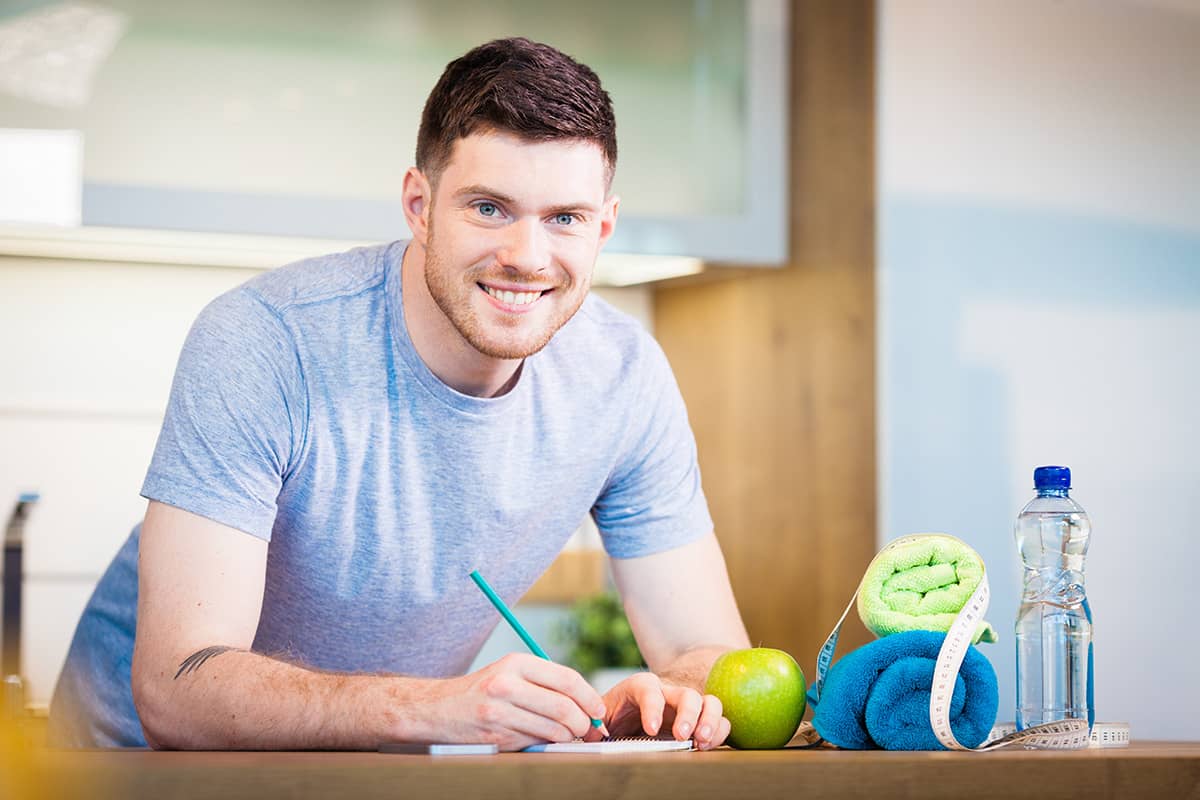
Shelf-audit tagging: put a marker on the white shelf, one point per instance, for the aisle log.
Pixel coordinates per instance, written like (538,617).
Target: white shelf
(190,248)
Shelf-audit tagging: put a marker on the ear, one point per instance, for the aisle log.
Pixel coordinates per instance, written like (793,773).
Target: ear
(608,218)
(417,199)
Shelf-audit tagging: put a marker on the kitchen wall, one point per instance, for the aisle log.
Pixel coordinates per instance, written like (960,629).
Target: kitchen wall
(201,113)
(87,352)
(1039,303)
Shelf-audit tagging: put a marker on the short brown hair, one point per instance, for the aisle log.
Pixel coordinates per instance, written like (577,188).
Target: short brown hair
(515,86)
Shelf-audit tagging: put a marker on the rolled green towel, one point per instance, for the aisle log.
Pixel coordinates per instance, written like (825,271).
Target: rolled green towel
(920,583)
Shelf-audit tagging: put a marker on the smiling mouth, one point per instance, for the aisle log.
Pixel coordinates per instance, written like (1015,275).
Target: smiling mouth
(513,298)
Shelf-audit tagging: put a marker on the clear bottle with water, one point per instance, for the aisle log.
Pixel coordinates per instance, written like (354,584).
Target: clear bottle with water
(1054,624)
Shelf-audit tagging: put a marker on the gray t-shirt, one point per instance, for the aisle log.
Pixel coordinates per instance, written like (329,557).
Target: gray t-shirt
(301,414)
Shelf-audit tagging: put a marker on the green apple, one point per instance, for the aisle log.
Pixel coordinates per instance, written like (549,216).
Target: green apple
(762,695)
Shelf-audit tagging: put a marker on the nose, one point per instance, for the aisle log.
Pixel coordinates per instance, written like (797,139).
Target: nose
(526,247)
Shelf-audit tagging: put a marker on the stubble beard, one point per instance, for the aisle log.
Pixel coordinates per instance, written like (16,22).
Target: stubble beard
(452,291)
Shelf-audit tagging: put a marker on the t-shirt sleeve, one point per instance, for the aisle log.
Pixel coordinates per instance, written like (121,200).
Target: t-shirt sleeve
(235,417)
(653,500)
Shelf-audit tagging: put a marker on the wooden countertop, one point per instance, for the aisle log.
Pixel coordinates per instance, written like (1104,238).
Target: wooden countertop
(1144,769)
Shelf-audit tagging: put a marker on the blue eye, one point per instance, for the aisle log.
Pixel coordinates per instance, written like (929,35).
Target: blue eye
(487,209)
(564,219)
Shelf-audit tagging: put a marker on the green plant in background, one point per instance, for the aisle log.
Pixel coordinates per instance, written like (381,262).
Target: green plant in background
(598,634)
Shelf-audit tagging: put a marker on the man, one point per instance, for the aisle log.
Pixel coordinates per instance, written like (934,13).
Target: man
(349,436)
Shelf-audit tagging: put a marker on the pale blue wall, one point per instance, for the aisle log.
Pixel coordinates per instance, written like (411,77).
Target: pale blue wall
(952,423)
(1039,302)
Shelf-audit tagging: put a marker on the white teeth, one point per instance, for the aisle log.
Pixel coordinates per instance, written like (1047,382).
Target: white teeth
(513,298)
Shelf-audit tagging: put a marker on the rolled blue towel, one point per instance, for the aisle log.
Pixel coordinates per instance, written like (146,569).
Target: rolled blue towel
(878,696)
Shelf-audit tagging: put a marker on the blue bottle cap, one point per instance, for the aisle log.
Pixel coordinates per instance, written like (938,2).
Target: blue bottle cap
(1052,478)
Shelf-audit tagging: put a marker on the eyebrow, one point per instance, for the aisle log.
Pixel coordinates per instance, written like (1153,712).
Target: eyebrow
(485,191)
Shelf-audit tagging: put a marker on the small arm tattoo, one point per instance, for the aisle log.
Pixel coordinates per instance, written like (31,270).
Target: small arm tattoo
(197,659)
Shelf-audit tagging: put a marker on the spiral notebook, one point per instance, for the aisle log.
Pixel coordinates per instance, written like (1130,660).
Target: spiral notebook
(626,744)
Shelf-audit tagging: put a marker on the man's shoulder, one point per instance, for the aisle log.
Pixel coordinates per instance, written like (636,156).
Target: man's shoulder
(602,327)
(324,278)
(606,348)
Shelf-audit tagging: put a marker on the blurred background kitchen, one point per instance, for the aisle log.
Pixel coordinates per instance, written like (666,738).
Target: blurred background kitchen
(898,252)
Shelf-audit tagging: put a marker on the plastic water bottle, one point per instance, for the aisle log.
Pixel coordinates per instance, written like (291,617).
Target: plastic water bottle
(1054,625)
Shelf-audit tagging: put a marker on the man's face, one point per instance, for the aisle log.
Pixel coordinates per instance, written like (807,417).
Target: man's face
(514,228)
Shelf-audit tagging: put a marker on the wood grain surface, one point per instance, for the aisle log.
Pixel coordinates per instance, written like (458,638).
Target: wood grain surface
(1144,770)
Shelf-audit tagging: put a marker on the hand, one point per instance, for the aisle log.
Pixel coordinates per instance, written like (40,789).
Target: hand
(518,701)
(645,704)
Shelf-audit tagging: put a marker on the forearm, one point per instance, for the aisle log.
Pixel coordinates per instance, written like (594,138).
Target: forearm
(690,668)
(235,699)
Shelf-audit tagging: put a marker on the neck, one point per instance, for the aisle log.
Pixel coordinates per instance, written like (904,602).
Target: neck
(439,344)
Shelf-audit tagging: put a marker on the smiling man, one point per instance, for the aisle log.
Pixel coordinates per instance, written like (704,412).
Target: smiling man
(506,245)
(349,436)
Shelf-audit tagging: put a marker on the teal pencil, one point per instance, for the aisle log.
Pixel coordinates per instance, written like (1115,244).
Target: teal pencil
(516,625)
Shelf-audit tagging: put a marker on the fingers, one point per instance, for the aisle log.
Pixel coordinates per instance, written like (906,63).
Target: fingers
(548,690)
(710,724)
(647,692)
(555,708)
(698,716)
(532,728)
(594,735)
(723,728)
(534,698)
(563,680)
(688,704)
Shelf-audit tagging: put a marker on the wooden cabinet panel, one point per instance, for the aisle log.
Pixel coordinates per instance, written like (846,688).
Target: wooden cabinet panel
(778,367)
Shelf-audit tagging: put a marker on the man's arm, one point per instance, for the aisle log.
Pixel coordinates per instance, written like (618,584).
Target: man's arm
(196,685)
(683,614)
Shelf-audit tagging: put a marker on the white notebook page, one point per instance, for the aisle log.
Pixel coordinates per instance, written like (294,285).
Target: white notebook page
(631,744)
